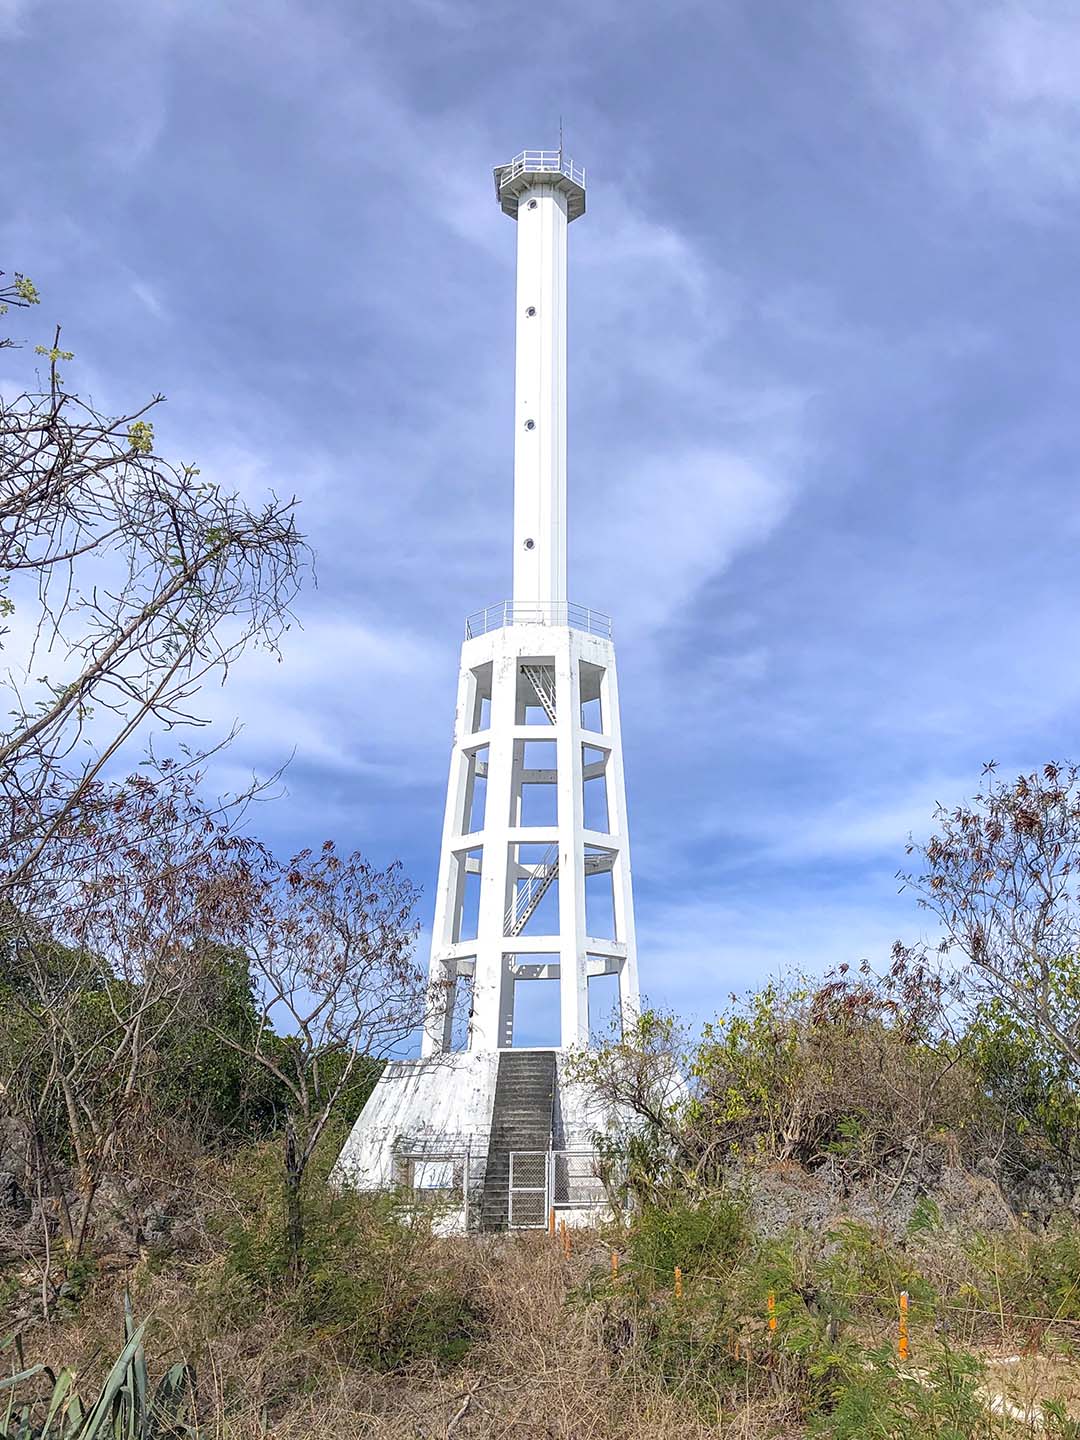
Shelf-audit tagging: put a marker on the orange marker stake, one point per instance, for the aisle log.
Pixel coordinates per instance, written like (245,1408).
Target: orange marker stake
(902,1347)
(771,1304)
(614,1265)
(551,1221)
(565,1240)
(678,1283)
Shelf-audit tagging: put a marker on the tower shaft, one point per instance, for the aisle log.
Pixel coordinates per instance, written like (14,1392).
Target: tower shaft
(540,398)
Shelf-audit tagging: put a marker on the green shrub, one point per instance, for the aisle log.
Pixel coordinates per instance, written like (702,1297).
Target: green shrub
(1028,1076)
(368,1287)
(1030,1275)
(700,1237)
(1056,1422)
(127,1407)
(863,1271)
(881,1398)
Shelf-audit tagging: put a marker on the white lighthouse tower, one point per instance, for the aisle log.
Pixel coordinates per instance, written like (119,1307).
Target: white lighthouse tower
(534,872)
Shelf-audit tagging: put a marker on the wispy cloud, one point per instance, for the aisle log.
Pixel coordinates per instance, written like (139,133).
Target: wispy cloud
(13,14)
(148,297)
(868,823)
(698,509)
(993,89)
(701,951)
(344,693)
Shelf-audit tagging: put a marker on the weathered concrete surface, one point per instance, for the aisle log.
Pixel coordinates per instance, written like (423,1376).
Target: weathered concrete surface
(440,1105)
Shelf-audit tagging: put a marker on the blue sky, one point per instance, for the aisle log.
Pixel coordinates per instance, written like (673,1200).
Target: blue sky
(824,430)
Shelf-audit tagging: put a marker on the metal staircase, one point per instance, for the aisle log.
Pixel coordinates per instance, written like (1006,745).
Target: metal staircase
(542,680)
(527,897)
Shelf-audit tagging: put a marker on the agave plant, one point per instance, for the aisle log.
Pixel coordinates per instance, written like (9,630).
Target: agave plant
(125,1408)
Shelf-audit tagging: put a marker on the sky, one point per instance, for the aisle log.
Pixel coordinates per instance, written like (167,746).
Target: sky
(823,421)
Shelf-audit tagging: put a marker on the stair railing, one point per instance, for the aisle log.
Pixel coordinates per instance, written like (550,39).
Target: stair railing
(527,896)
(542,679)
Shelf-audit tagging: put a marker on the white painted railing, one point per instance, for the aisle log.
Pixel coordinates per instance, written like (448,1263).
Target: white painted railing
(542,162)
(559,612)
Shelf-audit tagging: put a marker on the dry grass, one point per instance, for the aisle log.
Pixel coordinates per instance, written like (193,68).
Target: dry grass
(557,1353)
(546,1365)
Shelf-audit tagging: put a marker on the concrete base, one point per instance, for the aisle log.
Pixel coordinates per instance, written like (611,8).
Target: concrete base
(438,1106)
(428,1118)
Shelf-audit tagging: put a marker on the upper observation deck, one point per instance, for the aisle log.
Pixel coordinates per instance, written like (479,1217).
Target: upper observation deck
(540,167)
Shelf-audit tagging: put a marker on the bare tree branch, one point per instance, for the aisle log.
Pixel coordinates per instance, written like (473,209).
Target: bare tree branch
(134,579)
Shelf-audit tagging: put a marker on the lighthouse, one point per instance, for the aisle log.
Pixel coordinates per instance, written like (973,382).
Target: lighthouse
(534,878)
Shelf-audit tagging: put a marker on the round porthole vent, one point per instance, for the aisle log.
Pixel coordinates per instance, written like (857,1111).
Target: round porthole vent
(530,311)
(530,424)
(532,204)
(530,543)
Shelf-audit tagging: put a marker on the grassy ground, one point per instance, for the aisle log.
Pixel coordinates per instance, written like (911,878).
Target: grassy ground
(395,1333)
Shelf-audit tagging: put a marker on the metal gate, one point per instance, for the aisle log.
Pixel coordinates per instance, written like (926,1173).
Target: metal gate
(543,1180)
(529,1174)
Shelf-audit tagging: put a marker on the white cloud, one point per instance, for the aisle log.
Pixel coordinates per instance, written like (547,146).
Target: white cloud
(353,697)
(658,530)
(655,314)
(866,823)
(992,89)
(148,296)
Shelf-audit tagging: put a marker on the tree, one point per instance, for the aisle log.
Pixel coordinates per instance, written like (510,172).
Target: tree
(858,1071)
(163,934)
(1001,874)
(330,944)
(130,577)
(135,580)
(638,1082)
(1029,1078)
(102,961)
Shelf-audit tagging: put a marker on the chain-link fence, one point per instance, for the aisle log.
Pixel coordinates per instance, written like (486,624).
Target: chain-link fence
(522,1196)
(543,1180)
(577,1179)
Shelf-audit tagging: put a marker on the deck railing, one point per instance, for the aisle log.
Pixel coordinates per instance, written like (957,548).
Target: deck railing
(557,612)
(541,162)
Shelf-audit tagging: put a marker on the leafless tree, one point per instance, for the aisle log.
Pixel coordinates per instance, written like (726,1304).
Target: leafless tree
(330,945)
(1002,874)
(129,580)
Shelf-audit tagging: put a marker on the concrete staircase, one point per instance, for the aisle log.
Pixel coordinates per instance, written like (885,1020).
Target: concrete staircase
(521,1119)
